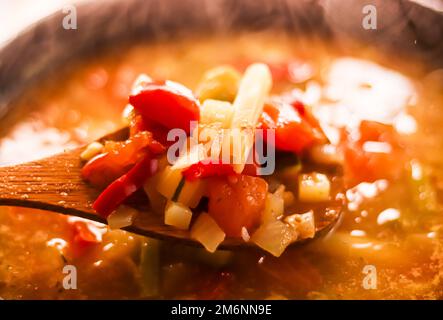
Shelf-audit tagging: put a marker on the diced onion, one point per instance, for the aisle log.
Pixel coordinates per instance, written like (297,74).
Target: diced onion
(245,234)
(216,112)
(91,151)
(122,217)
(157,201)
(313,187)
(128,114)
(304,224)
(207,232)
(274,237)
(274,206)
(177,215)
(192,192)
(192,156)
(142,80)
(168,182)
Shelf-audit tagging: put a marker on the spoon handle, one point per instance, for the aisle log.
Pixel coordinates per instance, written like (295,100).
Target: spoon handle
(52,183)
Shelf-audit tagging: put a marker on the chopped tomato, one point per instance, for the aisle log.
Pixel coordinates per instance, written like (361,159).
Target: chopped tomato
(167,103)
(375,154)
(204,170)
(295,127)
(237,203)
(125,186)
(119,157)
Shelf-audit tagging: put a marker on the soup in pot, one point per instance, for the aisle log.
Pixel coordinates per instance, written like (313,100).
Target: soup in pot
(381,119)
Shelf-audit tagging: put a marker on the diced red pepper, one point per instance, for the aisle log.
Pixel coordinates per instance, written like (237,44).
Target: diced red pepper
(166,103)
(201,170)
(118,191)
(238,203)
(82,238)
(159,132)
(83,235)
(119,157)
(295,127)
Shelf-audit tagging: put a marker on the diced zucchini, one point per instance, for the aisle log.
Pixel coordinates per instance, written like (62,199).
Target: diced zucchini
(207,232)
(216,112)
(220,83)
(313,187)
(274,237)
(177,215)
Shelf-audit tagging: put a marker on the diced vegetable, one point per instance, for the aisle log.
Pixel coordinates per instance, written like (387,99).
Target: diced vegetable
(204,170)
(91,151)
(194,155)
(122,217)
(220,83)
(168,182)
(118,158)
(157,201)
(304,224)
(274,207)
(128,114)
(177,215)
(123,187)
(313,187)
(216,112)
(237,203)
(192,192)
(140,82)
(167,103)
(207,232)
(365,164)
(274,237)
(295,131)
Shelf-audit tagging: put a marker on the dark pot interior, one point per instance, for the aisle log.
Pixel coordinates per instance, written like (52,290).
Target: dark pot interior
(402,26)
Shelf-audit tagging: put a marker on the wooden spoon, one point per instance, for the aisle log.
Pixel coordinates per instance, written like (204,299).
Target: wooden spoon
(56,184)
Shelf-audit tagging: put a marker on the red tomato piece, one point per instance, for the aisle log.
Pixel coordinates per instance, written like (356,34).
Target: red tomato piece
(366,163)
(295,127)
(237,204)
